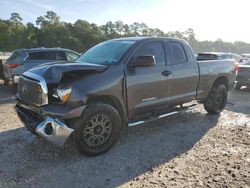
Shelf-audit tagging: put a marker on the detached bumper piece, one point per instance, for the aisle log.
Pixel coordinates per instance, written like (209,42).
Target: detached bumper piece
(53,130)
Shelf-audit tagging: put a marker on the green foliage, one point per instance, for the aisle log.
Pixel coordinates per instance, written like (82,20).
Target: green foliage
(81,35)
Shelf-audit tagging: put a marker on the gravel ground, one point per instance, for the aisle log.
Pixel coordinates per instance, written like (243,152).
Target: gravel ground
(192,149)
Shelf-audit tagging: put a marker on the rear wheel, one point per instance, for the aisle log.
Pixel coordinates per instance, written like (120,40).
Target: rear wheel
(98,129)
(216,100)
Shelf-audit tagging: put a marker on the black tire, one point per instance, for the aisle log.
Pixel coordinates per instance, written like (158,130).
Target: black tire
(91,129)
(216,100)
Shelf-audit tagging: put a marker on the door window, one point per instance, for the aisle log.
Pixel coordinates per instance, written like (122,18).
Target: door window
(60,56)
(41,56)
(177,52)
(71,56)
(151,48)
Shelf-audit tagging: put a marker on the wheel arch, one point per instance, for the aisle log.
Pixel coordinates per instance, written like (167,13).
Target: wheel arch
(221,80)
(112,101)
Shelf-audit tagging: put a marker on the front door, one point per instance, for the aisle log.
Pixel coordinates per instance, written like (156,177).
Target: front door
(148,88)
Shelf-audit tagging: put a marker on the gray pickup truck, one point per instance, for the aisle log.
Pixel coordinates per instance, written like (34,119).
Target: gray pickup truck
(121,82)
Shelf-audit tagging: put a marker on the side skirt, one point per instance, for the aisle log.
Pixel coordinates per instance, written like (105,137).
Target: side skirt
(152,118)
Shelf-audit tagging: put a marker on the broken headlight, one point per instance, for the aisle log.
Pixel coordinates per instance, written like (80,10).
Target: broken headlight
(62,94)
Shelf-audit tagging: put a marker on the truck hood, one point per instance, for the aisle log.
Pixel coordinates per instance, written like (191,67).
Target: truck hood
(54,72)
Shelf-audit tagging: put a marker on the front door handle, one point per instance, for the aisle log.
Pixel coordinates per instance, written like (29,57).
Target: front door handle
(166,73)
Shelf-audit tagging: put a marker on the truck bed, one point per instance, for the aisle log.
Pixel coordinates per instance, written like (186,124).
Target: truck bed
(212,69)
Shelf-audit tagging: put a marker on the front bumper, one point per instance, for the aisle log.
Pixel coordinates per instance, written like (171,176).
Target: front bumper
(54,130)
(58,111)
(50,128)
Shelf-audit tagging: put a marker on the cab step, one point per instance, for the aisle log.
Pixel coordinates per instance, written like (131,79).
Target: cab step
(175,111)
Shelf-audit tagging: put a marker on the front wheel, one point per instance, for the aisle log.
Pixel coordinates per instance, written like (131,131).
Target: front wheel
(98,129)
(216,100)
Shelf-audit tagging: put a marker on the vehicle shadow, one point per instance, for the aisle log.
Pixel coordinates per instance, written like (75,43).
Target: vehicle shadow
(239,101)
(27,158)
(6,94)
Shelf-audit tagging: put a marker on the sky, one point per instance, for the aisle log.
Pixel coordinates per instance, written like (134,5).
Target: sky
(211,19)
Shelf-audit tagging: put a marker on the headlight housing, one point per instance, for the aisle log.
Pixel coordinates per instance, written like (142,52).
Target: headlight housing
(62,94)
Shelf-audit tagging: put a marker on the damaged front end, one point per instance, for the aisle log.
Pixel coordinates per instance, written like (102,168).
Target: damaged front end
(49,122)
(46,110)
(53,130)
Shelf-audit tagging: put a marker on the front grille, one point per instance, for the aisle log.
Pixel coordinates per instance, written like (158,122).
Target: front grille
(31,91)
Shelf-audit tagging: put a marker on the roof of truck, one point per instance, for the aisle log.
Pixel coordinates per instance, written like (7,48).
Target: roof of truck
(145,38)
(41,49)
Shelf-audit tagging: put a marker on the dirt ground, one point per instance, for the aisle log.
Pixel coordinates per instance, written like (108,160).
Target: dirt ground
(192,149)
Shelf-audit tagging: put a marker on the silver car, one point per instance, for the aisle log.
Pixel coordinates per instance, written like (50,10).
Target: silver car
(25,59)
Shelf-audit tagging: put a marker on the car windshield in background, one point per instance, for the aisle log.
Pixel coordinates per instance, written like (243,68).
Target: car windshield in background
(106,53)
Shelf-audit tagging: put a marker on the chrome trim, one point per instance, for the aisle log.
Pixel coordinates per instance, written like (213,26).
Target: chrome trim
(41,81)
(60,134)
(159,117)
(136,123)
(168,114)
(191,108)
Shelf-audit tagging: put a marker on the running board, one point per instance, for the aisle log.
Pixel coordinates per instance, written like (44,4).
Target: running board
(186,109)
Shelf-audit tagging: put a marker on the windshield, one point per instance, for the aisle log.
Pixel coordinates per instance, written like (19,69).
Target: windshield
(105,53)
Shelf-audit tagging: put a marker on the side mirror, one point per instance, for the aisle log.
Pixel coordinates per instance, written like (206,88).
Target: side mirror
(143,61)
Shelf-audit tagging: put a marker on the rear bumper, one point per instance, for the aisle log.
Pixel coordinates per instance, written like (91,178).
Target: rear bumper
(50,128)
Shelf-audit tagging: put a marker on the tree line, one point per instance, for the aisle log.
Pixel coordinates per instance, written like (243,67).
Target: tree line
(50,31)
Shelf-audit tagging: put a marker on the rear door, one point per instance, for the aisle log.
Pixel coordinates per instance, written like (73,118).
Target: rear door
(185,72)
(148,89)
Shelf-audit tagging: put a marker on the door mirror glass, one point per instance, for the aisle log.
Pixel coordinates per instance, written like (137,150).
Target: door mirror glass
(143,61)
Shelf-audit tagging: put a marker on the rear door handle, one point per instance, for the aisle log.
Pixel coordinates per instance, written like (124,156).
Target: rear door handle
(166,73)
